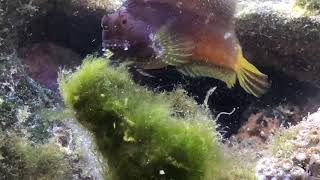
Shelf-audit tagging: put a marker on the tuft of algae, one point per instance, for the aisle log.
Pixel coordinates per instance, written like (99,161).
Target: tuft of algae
(308,7)
(143,134)
(19,159)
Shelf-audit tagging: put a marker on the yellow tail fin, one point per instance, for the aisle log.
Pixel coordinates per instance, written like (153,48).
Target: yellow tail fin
(250,78)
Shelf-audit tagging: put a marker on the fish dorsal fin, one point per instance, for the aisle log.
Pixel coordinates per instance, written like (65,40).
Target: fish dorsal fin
(223,10)
(172,48)
(196,70)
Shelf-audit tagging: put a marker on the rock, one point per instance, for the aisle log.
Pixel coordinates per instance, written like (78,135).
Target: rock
(28,109)
(276,37)
(271,38)
(308,6)
(43,61)
(259,126)
(297,146)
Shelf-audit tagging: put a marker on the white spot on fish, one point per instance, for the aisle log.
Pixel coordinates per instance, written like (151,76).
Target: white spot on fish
(179,4)
(209,18)
(227,35)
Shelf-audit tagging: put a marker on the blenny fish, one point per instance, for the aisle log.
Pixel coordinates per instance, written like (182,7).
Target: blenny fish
(196,36)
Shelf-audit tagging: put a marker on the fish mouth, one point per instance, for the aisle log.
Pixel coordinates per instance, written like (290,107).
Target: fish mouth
(116,44)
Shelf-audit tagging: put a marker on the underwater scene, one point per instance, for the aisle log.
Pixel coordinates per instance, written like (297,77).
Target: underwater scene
(159,89)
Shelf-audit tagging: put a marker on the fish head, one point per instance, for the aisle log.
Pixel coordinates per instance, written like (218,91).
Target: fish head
(122,32)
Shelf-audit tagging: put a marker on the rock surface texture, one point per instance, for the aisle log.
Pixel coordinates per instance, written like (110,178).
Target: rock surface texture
(274,35)
(294,152)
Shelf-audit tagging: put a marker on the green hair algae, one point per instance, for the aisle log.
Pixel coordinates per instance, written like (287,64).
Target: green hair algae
(310,7)
(139,132)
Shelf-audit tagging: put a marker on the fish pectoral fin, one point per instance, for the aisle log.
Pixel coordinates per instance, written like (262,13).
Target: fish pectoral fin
(194,70)
(172,48)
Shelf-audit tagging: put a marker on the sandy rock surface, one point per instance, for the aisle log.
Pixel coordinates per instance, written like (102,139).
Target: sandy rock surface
(294,152)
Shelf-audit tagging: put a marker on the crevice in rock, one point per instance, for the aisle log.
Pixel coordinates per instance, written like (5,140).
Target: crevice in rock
(285,95)
(77,28)
(59,37)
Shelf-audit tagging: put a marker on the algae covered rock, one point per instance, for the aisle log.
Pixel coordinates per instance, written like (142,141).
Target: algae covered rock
(22,160)
(294,152)
(310,6)
(32,147)
(275,36)
(136,129)
(143,134)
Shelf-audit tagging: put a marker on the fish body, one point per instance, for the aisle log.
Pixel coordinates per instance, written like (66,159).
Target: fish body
(195,36)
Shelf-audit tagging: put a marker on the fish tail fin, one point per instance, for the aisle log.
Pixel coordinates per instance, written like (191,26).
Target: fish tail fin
(250,78)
